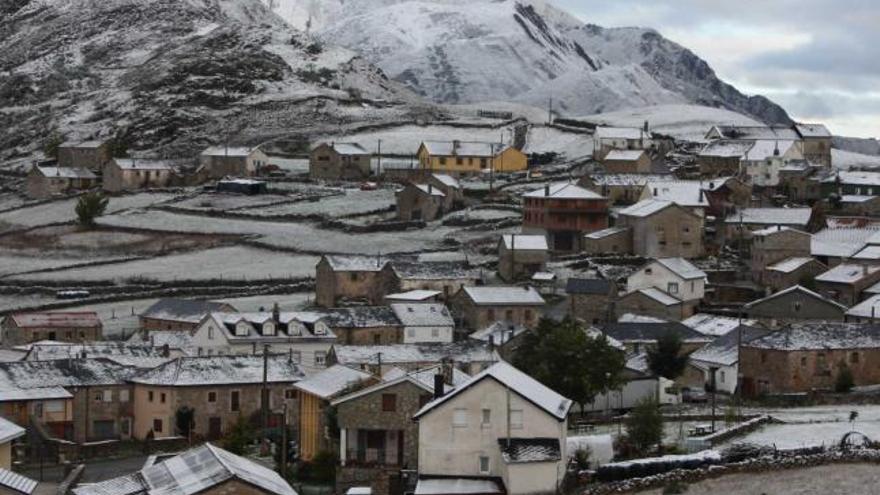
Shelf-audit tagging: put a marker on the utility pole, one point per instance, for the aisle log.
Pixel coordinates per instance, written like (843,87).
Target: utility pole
(264,395)
(283,465)
(713,370)
(491,167)
(550,112)
(379,166)
(512,256)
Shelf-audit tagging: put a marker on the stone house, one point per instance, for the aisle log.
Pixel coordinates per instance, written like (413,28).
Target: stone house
(607,139)
(90,155)
(420,202)
(775,244)
(851,183)
(715,197)
(860,206)
(315,394)
(845,282)
(522,256)
(136,354)
(591,300)
(45,182)
(477,307)
(25,328)
(676,277)
(377,437)
(620,189)
(305,337)
(470,356)
(340,161)
(127,174)
(867,311)
(174,314)
(745,222)
(503,338)
(98,405)
(446,277)
(221,390)
(816,139)
(340,278)
(365,325)
(501,425)
(723,354)
(206,470)
(751,133)
(762,162)
(794,304)
(790,272)
(801,182)
(613,240)
(807,356)
(723,157)
(653,303)
(663,228)
(563,213)
(51,406)
(627,162)
(218,162)
(9,432)
(425,323)
(450,186)
(459,158)
(638,337)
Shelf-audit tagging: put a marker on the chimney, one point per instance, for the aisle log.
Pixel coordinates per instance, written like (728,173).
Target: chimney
(439,385)
(447,366)
(701,195)
(646,127)
(276,313)
(166,350)
(456,144)
(152,340)
(655,192)
(547,190)
(491,342)
(84,354)
(430,188)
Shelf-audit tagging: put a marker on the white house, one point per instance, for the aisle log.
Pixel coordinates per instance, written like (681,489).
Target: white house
(305,336)
(619,138)
(763,161)
(675,276)
(722,354)
(501,424)
(424,322)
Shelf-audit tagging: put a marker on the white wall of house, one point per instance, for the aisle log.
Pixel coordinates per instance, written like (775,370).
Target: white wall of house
(725,377)
(427,335)
(453,437)
(657,275)
(629,395)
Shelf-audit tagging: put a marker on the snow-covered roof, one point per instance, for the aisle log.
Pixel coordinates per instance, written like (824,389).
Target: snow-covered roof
(765,149)
(182,310)
(626,179)
(290,326)
(841,242)
(194,471)
(352,149)
(236,151)
(434,270)
(681,267)
(772,216)
(812,130)
(724,148)
(523,450)
(331,382)
(724,350)
(645,208)
(525,242)
(588,286)
(221,370)
(10,394)
(466,351)
(690,193)
(643,331)
(602,234)
(124,353)
(66,172)
(499,332)
(624,155)
(621,133)
(142,164)
(857,199)
(458,486)
(414,295)
(869,308)
(423,315)
(790,265)
(522,384)
(714,325)
(422,378)
(854,178)
(776,229)
(503,296)
(92,143)
(563,190)
(464,148)
(355,263)
(847,273)
(63,373)
(360,317)
(431,190)
(18,483)
(447,180)
(756,132)
(83,319)
(796,288)
(657,295)
(820,335)
(9,431)
(174,339)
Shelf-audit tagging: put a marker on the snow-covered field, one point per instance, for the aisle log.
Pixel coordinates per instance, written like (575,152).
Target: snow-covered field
(227,202)
(351,202)
(405,140)
(231,263)
(689,122)
(573,145)
(12,262)
(63,211)
(847,159)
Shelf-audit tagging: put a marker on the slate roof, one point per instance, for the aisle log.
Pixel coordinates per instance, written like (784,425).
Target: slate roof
(182,310)
(355,263)
(645,208)
(726,148)
(433,191)
(655,294)
(447,180)
(174,339)
(465,351)
(423,315)
(790,265)
(724,349)
(17,482)
(516,381)
(796,288)
(291,326)
(465,148)
(807,336)
(624,155)
(714,325)
(331,382)
(360,317)
(525,242)
(812,130)
(869,308)
(413,295)
(756,132)
(766,149)
(66,172)
(847,273)
(137,355)
(684,192)
(63,373)
(651,331)
(626,179)
(772,216)
(682,267)
(423,378)
(434,270)
(563,190)
(602,234)
(142,164)
(499,332)
(232,151)
(221,370)
(352,149)
(841,242)
(854,177)
(504,295)
(87,319)
(522,450)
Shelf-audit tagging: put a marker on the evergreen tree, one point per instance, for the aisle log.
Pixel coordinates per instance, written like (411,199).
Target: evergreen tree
(90,206)
(666,359)
(644,425)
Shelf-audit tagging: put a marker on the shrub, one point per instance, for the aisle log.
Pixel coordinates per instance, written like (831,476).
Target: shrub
(582,458)
(644,426)
(89,207)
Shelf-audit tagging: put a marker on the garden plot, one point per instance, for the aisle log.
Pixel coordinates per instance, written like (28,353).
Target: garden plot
(299,236)
(63,211)
(351,202)
(230,202)
(227,263)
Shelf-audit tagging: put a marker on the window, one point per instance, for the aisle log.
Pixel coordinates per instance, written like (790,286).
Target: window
(410,332)
(516,418)
(162,397)
(290,393)
(98,396)
(459,417)
(55,406)
(389,402)
(763,357)
(123,395)
(796,306)
(296,356)
(377,338)
(150,396)
(672,287)
(649,271)
(435,332)
(508,315)
(722,377)
(107,396)
(803,360)
(854,358)
(235,401)
(490,314)
(486,417)
(529,315)
(210,333)
(212,397)
(353,276)
(484,464)
(157,425)
(320,358)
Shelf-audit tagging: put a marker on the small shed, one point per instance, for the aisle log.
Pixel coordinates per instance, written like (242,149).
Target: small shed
(242,186)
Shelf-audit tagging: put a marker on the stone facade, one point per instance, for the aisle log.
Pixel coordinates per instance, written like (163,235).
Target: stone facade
(420,202)
(772,246)
(102,413)
(332,162)
(564,216)
(640,304)
(849,292)
(129,175)
(218,162)
(520,263)
(795,304)
(476,316)
(45,182)
(776,280)
(92,155)
(671,232)
(627,163)
(783,371)
(333,285)
(14,335)
(616,240)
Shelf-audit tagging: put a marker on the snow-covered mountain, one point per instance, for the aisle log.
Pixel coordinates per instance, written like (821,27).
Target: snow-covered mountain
(466,51)
(175,74)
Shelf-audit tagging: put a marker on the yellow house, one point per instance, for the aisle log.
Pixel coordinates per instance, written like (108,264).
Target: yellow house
(466,157)
(9,431)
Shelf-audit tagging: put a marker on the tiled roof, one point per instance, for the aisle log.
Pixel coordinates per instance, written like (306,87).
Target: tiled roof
(503,295)
(184,310)
(522,450)
(221,370)
(819,336)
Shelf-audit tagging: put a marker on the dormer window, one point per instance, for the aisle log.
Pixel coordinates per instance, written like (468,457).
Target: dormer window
(241,329)
(294,328)
(269,328)
(320,329)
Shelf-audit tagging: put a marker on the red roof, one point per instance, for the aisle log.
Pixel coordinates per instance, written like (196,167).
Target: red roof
(61,320)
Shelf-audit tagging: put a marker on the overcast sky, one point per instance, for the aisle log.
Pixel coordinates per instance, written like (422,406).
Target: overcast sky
(820,59)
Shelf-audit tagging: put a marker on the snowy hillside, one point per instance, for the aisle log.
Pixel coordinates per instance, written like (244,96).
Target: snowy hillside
(688,122)
(465,51)
(173,74)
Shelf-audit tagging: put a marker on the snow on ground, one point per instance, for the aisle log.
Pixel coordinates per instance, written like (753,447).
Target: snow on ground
(689,122)
(573,145)
(63,211)
(405,140)
(847,159)
(286,302)
(484,214)
(230,263)
(9,302)
(12,262)
(850,479)
(351,202)
(227,202)
(291,165)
